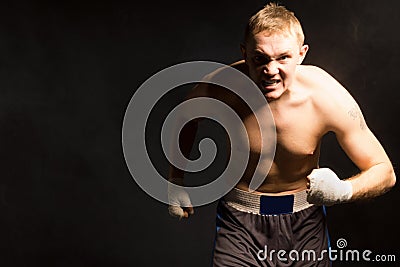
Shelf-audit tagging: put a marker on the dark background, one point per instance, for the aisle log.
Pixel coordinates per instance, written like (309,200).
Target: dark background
(67,73)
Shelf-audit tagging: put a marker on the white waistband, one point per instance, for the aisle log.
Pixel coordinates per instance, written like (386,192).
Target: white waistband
(250,202)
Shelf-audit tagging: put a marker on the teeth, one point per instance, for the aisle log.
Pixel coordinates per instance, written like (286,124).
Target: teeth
(271,82)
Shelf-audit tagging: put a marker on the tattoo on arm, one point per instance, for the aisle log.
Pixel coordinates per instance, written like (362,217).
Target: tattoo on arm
(355,114)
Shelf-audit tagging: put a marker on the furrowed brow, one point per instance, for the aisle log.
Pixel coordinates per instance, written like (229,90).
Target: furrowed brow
(284,53)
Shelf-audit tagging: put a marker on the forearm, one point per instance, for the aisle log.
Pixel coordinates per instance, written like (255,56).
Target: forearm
(179,200)
(373,182)
(186,140)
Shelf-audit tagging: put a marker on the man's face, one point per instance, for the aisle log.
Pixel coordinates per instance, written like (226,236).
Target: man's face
(272,60)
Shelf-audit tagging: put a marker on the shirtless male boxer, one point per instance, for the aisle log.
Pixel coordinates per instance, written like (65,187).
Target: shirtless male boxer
(287,211)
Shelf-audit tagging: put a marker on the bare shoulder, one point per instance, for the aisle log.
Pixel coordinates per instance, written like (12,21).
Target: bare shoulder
(209,89)
(324,87)
(241,66)
(314,76)
(238,65)
(331,99)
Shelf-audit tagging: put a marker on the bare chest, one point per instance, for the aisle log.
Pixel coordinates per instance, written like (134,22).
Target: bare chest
(298,132)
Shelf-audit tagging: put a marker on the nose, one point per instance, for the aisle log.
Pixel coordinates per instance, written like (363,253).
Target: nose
(271,68)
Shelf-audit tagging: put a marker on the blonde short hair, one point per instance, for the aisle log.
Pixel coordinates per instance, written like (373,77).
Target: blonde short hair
(275,19)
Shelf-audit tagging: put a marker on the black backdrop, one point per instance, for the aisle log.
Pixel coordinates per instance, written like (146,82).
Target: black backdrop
(67,73)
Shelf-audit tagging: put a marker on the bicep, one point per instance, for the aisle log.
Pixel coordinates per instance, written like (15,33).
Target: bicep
(362,147)
(343,116)
(356,139)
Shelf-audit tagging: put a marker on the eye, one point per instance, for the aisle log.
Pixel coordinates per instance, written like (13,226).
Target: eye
(260,59)
(284,57)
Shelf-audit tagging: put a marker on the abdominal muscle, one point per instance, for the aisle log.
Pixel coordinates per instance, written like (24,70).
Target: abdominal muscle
(276,184)
(287,175)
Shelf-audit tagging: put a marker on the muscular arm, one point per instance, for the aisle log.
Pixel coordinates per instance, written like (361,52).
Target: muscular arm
(187,136)
(179,200)
(360,144)
(207,90)
(345,119)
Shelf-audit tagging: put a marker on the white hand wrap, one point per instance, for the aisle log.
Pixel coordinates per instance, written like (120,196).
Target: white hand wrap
(327,189)
(177,198)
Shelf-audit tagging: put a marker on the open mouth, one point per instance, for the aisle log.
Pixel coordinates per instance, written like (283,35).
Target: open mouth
(270,83)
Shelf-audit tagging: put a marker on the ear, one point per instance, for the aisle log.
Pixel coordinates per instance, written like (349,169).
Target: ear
(243,50)
(302,54)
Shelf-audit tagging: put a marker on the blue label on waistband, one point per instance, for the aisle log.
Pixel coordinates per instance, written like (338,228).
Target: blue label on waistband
(274,205)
